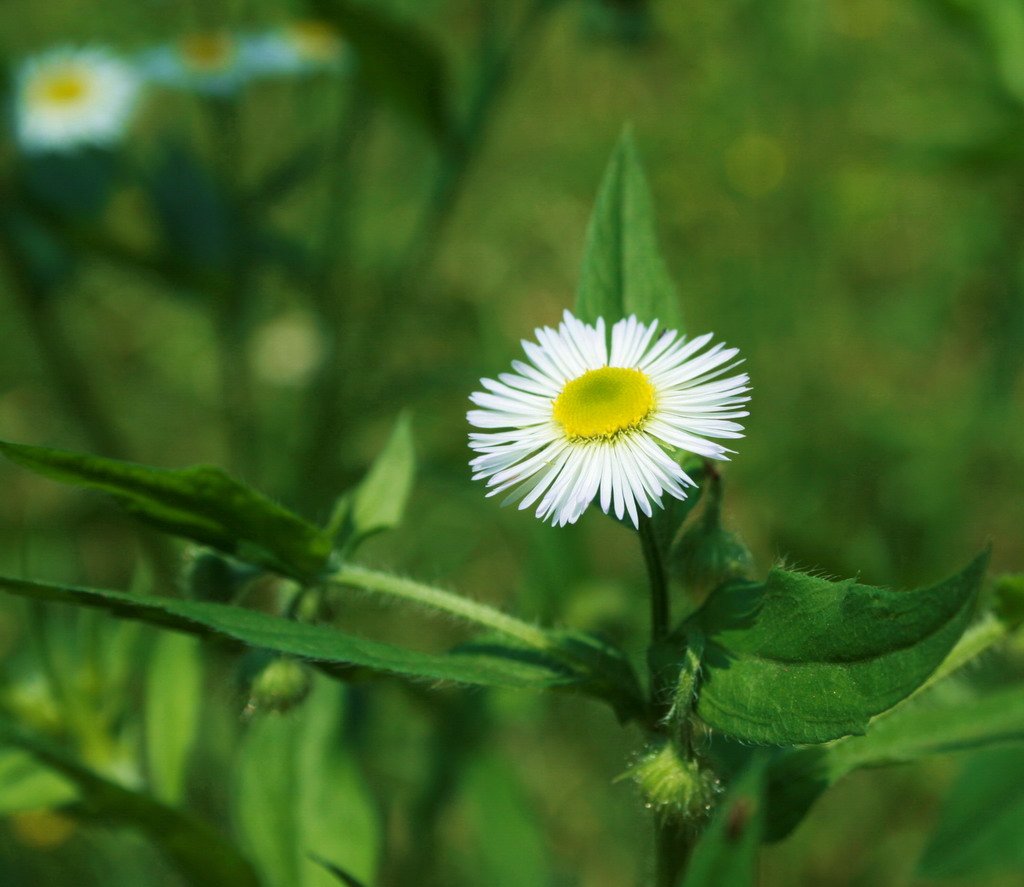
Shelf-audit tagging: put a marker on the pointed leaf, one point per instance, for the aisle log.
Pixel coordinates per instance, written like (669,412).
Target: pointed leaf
(174,689)
(800,659)
(201,503)
(340,875)
(492,664)
(378,502)
(312,803)
(623,272)
(202,856)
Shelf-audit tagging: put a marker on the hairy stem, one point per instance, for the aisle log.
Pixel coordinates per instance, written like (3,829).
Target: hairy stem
(672,837)
(456,605)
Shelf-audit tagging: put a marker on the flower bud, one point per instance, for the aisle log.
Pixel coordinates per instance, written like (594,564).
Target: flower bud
(1009,599)
(275,683)
(707,554)
(674,785)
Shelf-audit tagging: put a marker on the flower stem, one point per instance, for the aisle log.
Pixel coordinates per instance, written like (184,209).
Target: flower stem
(672,837)
(660,614)
(464,608)
(672,846)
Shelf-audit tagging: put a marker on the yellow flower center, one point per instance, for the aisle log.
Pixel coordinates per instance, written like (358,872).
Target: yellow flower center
(605,402)
(206,52)
(61,88)
(314,39)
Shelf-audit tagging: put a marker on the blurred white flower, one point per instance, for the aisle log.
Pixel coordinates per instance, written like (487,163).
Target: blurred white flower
(288,349)
(299,47)
(209,62)
(69,97)
(587,421)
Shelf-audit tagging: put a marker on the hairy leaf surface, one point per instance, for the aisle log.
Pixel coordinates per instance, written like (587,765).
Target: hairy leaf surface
(201,503)
(798,659)
(492,664)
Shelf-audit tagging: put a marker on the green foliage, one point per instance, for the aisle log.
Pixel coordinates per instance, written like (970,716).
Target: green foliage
(1008,594)
(397,62)
(274,683)
(174,690)
(34,253)
(907,734)
(799,659)
(981,826)
(379,500)
(76,184)
(491,664)
(611,674)
(509,842)
(194,213)
(199,853)
(311,803)
(666,522)
(727,851)
(201,503)
(708,554)
(26,784)
(623,272)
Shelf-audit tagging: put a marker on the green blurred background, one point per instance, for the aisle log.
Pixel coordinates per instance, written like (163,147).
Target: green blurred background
(840,193)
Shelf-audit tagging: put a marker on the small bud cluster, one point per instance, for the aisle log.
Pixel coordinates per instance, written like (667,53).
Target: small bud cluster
(674,785)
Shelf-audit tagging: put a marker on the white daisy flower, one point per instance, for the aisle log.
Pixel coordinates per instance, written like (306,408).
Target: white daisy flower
(296,48)
(68,97)
(591,422)
(207,62)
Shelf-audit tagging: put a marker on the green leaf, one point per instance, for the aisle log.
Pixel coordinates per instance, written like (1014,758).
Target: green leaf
(397,62)
(727,851)
(907,734)
(74,184)
(623,272)
(25,784)
(311,806)
(800,659)
(34,252)
(199,853)
(613,677)
(378,502)
(981,826)
(339,874)
(194,214)
(201,503)
(509,847)
(174,687)
(491,664)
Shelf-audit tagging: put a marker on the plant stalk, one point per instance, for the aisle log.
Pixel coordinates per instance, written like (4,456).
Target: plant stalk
(672,838)
(660,613)
(456,605)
